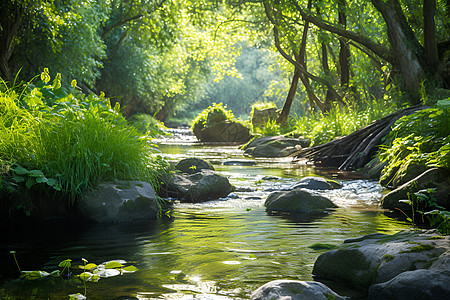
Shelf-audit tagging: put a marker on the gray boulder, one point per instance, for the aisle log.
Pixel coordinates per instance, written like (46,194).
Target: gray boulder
(414,285)
(202,186)
(316,183)
(294,290)
(433,178)
(119,202)
(297,201)
(275,146)
(379,258)
(374,168)
(193,165)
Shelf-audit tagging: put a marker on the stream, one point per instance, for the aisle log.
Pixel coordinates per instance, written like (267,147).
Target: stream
(222,249)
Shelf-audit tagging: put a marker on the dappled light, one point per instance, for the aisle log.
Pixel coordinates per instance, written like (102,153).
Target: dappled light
(252,149)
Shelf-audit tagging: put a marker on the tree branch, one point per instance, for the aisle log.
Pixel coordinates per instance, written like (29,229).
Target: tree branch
(376,48)
(121,22)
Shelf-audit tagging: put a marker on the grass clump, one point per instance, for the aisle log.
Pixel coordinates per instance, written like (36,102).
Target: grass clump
(339,121)
(72,139)
(148,125)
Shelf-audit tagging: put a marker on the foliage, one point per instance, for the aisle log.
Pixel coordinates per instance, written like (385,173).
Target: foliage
(425,204)
(339,121)
(214,112)
(254,83)
(421,137)
(148,125)
(68,141)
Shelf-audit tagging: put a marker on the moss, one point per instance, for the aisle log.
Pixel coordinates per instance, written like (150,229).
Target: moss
(436,237)
(388,257)
(320,246)
(419,248)
(399,236)
(330,297)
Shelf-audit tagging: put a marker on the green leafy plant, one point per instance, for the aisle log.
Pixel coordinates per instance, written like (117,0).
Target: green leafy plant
(421,137)
(425,204)
(90,272)
(62,139)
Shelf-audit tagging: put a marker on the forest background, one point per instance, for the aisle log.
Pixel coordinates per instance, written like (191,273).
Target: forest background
(171,58)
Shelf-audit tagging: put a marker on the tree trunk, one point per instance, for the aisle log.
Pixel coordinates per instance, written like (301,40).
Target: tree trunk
(282,119)
(408,52)
(326,70)
(344,52)
(431,54)
(10,21)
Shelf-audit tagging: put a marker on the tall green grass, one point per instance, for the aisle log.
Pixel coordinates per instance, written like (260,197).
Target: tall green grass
(324,127)
(76,140)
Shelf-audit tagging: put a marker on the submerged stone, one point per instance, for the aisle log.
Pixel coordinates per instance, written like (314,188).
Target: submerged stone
(316,183)
(294,290)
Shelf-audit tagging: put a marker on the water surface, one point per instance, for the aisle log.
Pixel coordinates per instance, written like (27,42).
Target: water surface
(221,249)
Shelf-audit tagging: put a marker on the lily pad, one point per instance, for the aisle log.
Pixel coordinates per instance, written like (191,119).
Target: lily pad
(88,276)
(33,275)
(89,266)
(129,269)
(114,264)
(108,273)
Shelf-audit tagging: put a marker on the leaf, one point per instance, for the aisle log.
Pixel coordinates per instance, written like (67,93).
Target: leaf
(30,182)
(114,264)
(51,182)
(129,269)
(18,178)
(33,275)
(65,263)
(20,170)
(41,180)
(36,173)
(444,103)
(108,273)
(85,276)
(88,266)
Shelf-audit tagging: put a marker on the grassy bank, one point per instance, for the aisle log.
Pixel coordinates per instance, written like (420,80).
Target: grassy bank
(59,140)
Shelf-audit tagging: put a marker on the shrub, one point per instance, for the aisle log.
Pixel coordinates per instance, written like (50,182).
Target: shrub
(421,137)
(219,111)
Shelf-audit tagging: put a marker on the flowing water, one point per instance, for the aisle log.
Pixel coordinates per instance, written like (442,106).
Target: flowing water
(221,249)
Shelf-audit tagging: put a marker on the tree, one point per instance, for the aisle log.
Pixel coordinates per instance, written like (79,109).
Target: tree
(404,52)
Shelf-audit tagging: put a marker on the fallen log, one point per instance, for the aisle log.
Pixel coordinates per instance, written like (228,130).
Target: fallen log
(356,149)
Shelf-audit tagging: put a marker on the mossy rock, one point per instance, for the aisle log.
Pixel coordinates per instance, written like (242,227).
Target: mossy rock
(193,165)
(378,258)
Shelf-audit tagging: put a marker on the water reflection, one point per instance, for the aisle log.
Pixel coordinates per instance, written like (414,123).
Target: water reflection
(215,250)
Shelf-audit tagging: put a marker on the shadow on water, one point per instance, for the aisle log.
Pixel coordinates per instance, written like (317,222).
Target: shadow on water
(220,249)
